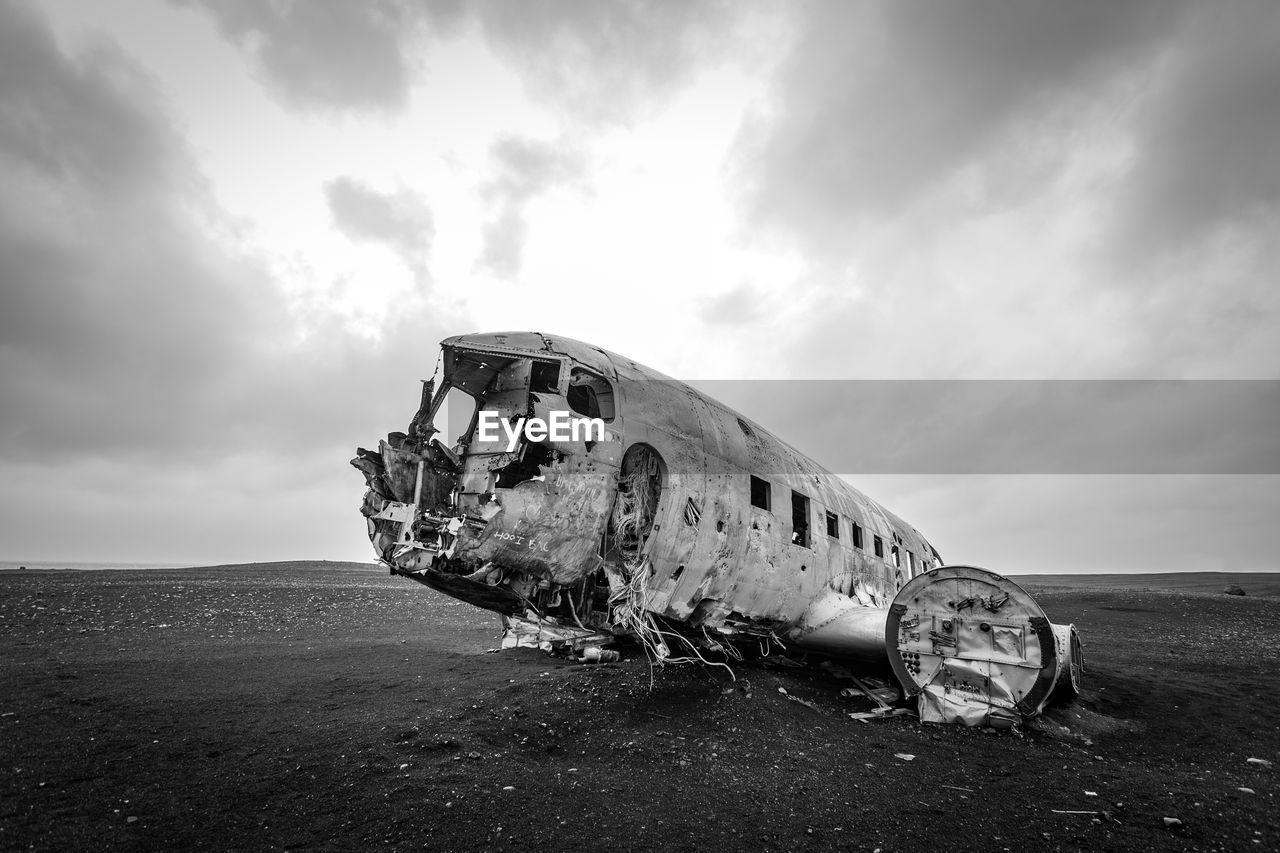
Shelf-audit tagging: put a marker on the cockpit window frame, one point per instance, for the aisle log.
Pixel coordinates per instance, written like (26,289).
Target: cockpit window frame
(606,402)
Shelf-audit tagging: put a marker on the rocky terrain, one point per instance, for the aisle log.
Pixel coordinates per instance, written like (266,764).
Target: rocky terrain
(327,705)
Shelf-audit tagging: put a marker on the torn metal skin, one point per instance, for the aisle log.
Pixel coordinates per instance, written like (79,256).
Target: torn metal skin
(688,527)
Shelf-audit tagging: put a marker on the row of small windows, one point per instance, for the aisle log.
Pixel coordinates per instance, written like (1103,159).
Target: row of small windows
(762,497)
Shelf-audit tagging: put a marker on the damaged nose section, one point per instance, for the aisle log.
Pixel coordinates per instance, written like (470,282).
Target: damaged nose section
(512,523)
(412,513)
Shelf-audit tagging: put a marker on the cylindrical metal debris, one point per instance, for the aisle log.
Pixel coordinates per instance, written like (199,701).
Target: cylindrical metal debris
(976,648)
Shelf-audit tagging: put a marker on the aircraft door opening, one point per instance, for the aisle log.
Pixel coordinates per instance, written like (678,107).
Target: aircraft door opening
(639,488)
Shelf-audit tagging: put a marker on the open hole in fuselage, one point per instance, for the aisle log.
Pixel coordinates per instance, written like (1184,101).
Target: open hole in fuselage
(639,488)
(534,456)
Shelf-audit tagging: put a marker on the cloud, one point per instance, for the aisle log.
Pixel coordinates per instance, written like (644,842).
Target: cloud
(526,169)
(148,362)
(882,107)
(1019,427)
(328,53)
(401,220)
(737,307)
(599,61)
(1208,136)
(604,62)
(879,102)
(88,120)
(115,309)
(1032,189)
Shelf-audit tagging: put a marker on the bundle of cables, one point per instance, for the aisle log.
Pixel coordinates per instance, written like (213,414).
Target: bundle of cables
(629,614)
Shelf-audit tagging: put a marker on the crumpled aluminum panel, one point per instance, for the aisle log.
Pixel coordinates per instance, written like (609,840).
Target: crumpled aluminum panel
(973,645)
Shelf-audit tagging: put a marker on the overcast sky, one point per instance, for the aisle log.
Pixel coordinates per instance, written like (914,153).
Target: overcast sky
(232,234)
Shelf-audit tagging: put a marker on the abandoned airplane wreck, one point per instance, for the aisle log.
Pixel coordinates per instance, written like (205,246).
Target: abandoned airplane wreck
(671,521)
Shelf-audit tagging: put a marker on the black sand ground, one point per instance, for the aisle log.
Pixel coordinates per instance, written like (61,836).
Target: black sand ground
(326,705)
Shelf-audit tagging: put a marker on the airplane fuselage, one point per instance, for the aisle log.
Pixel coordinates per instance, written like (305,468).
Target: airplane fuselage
(740,530)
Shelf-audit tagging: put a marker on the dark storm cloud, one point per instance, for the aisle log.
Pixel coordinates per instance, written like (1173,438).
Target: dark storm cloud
(1209,142)
(327,53)
(1132,146)
(400,220)
(80,121)
(526,168)
(110,306)
(880,101)
(126,331)
(153,382)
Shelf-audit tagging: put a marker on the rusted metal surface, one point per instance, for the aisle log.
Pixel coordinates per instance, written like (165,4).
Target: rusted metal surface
(683,523)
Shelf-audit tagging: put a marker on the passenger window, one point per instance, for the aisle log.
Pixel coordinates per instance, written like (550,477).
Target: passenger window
(857,534)
(799,520)
(833,525)
(879,543)
(760,493)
